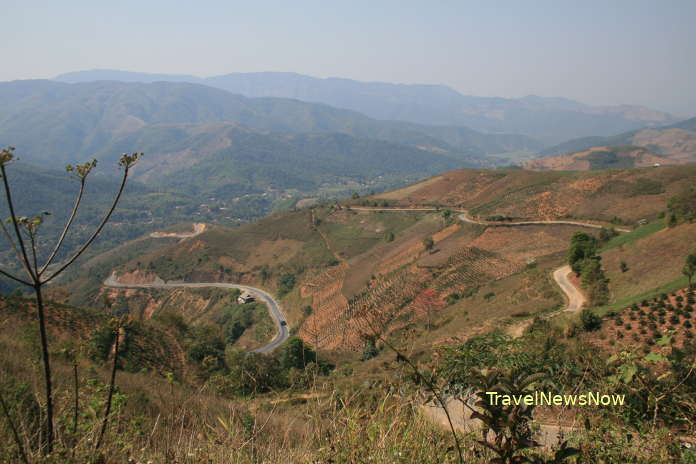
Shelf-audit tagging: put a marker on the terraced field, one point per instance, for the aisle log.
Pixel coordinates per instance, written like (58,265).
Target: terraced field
(471,267)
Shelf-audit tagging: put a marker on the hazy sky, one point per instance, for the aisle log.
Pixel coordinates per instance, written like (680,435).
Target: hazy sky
(600,52)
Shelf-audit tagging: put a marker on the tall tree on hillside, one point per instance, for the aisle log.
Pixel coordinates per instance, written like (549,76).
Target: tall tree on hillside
(689,269)
(24,242)
(582,246)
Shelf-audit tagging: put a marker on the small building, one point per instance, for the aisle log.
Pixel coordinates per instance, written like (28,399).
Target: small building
(245,297)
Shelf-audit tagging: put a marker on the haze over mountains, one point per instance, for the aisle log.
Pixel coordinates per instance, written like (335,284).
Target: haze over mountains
(56,120)
(551,120)
(288,135)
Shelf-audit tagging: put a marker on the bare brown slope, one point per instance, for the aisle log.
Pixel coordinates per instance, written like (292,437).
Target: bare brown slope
(637,157)
(673,145)
(630,195)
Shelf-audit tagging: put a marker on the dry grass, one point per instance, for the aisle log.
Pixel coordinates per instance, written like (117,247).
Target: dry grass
(652,261)
(529,194)
(160,421)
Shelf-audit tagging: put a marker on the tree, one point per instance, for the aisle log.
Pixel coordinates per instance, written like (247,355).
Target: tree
(296,354)
(25,245)
(607,234)
(447,216)
(683,206)
(590,321)
(428,243)
(582,247)
(595,281)
(286,283)
(689,268)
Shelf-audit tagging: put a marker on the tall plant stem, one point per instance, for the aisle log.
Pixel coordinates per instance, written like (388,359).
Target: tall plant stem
(47,368)
(77,398)
(112,383)
(15,434)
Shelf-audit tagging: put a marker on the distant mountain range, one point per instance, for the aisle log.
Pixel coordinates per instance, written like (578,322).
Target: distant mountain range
(56,122)
(550,119)
(250,154)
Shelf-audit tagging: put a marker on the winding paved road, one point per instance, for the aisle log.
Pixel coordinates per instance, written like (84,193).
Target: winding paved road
(575,297)
(273,306)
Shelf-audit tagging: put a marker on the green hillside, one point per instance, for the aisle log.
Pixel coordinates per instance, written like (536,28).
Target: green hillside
(551,119)
(78,120)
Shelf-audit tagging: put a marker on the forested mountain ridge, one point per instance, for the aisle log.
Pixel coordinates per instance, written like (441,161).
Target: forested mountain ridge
(551,119)
(54,122)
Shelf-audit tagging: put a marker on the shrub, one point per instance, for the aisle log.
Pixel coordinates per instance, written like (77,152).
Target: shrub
(590,321)
(452,298)
(286,283)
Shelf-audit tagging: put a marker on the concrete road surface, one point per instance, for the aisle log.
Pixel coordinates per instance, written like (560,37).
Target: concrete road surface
(273,307)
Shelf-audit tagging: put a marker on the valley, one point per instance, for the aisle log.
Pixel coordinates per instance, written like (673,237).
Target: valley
(298,269)
(461,269)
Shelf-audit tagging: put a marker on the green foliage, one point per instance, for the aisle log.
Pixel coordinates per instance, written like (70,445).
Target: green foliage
(295,353)
(634,235)
(590,320)
(683,206)
(250,374)
(286,283)
(100,343)
(607,234)
(585,263)
(480,352)
(207,348)
(428,243)
(582,247)
(594,281)
(237,318)
(369,350)
(658,387)
(689,268)
(510,424)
